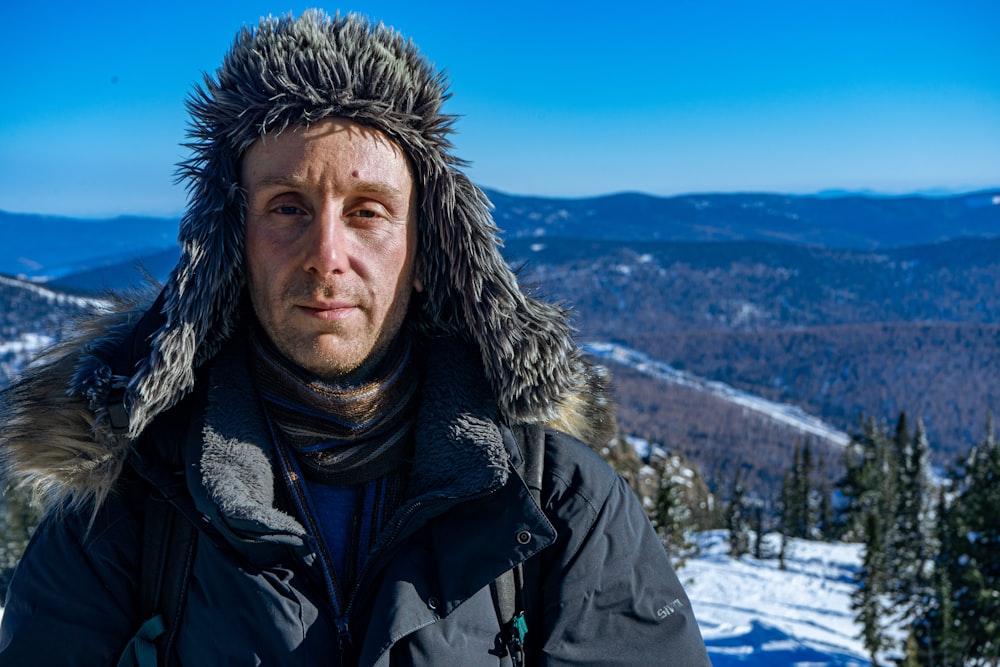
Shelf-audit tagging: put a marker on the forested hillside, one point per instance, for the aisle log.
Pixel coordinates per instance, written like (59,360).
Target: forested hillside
(843,333)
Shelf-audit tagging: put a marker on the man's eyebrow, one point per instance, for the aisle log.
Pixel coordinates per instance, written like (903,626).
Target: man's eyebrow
(279,181)
(292,181)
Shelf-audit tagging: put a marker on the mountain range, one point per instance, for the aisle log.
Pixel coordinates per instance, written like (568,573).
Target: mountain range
(837,222)
(43,247)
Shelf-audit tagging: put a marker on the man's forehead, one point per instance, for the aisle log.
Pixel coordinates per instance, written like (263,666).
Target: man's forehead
(276,152)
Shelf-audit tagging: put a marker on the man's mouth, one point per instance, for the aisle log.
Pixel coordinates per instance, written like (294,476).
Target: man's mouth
(328,310)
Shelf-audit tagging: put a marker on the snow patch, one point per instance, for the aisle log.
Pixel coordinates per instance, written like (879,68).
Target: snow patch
(27,344)
(640,445)
(752,613)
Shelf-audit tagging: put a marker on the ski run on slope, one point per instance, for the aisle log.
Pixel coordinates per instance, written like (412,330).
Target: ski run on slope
(782,413)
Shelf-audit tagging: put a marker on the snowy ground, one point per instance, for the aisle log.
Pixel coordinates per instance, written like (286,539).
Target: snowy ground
(752,613)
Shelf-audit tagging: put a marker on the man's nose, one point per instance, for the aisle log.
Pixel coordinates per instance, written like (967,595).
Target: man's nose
(328,253)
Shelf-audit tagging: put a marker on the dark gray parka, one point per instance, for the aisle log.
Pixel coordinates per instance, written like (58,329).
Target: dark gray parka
(255,595)
(143,384)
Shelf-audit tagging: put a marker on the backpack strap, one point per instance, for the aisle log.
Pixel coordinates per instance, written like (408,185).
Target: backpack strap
(166,556)
(126,357)
(169,540)
(168,546)
(512,594)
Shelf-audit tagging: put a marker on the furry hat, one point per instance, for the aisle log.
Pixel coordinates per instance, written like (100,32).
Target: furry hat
(288,72)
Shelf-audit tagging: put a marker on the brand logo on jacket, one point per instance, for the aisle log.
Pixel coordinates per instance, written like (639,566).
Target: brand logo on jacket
(669,609)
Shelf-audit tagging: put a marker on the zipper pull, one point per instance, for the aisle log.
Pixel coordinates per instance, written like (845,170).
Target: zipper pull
(344,641)
(518,632)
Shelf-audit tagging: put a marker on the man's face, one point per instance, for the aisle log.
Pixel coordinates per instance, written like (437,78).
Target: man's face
(330,244)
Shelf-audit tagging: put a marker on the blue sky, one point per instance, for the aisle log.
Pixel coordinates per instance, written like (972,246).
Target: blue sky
(557,98)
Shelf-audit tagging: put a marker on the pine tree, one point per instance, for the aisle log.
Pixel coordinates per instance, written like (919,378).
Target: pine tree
(782,550)
(825,528)
(784,519)
(944,642)
(975,540)
(799,499)
(804,495)
(868,599)
(886,478)
(937,637)
(737,518)
(795,507)
(913,539)
(877,464)
(673,520)
(869,482)
(759,552)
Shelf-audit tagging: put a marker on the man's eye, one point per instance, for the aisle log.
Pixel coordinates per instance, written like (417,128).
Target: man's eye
(287,210)
(365,213)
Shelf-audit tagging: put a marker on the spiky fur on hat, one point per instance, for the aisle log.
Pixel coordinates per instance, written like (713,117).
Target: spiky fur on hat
(289,72)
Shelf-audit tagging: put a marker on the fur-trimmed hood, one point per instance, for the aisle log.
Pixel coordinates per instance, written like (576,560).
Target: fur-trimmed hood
(68,424)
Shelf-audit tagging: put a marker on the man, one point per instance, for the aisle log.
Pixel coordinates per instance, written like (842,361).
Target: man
(337,386)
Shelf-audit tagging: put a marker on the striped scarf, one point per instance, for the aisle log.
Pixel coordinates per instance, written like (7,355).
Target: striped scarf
(341,436)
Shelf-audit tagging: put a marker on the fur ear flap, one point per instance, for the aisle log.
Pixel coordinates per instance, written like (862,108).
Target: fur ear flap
(202,294)
(527,346)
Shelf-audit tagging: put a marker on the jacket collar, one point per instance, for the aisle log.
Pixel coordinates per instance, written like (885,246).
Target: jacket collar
(460,451)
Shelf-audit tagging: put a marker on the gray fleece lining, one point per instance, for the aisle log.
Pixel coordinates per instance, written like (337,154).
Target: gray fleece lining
(236,459)
(459,450)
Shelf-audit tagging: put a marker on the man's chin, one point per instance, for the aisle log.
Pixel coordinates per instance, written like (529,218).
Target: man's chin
(329,362)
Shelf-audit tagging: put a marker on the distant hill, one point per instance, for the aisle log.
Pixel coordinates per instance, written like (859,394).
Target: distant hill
(837,222)
(31,318)
(43,247)
(117,274)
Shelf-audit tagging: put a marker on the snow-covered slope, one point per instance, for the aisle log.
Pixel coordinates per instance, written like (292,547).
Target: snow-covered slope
(752,613)
(53,296)
(781,413)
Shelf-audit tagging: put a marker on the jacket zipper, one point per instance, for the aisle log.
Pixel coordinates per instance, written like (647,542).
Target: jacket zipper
(342,616)
(314,537)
